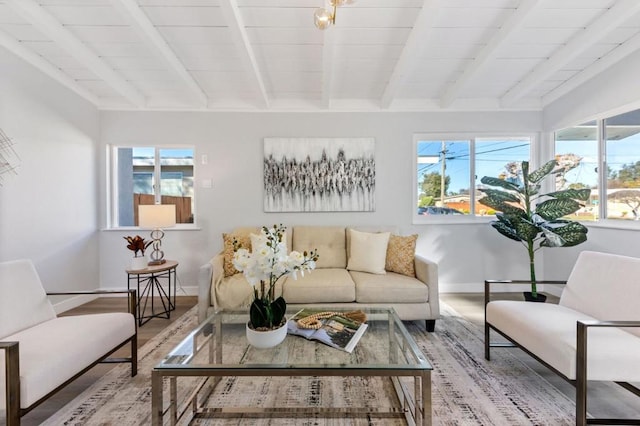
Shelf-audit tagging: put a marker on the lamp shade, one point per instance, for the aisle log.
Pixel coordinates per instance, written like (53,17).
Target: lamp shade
(157,216)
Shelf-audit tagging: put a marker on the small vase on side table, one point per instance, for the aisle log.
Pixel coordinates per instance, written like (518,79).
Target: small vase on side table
(138,263)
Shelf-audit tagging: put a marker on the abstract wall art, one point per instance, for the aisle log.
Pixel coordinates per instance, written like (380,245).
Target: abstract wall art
(319,174)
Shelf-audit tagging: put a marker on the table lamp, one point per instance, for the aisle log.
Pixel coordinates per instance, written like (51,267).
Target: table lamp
(157,217)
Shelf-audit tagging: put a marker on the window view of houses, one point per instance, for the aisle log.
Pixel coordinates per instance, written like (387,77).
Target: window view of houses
(602,155)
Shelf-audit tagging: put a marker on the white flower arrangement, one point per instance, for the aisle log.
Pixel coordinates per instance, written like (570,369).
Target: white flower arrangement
(263,266)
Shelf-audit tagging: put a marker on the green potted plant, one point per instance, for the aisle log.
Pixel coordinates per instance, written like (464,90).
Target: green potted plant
(534,219)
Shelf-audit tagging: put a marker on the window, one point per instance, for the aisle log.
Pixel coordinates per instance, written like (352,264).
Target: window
(603,155)
(150,175)
(447,169)
(577,153)
(622,147)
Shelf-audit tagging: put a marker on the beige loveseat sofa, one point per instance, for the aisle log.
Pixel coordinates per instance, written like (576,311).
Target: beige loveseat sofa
(338,280)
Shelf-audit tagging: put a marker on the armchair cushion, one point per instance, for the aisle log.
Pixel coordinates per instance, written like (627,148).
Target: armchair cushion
(52,352)
(596,284)
(549,331)
(19,281)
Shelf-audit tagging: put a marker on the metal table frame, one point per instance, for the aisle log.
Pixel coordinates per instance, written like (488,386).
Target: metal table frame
(414,408)
(148,283)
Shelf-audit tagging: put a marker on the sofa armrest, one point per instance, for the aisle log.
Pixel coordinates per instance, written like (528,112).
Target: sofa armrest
(427,272)
(133,296)
(12,381)
(209,274)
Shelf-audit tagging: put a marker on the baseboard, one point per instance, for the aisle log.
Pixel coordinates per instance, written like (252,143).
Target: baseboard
(73,302)
(554,290)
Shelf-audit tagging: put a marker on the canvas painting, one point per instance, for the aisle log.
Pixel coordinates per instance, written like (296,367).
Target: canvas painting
(319,174)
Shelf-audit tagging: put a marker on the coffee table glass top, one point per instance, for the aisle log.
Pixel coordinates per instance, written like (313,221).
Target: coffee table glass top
(220,343)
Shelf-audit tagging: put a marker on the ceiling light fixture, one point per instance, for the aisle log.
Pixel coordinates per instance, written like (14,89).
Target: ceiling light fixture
(323,18)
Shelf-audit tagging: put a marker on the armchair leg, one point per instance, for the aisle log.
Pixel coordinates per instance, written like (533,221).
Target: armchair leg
(134,355)
(487,341)
(581,375)
(12,382)
(431,325)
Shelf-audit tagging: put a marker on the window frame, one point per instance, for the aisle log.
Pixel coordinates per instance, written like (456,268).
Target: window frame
(472,137)
(113,190)
(603,221)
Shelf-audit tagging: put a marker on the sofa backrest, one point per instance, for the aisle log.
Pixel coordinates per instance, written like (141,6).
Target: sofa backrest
(605,286)
(23,301)
(330,241)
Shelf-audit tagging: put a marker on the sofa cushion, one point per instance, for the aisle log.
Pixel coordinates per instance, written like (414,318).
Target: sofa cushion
(320,286)
(549,331)
(328,240)
(604,286)
(55,350)
(400,254)
(242,235)
(23,301)
(389,288)
(368,251)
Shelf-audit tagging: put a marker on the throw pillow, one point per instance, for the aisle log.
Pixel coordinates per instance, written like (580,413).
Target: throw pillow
(245,242)
(400,254)
(368,251)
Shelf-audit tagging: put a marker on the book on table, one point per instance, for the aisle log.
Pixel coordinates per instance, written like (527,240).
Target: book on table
(336,331)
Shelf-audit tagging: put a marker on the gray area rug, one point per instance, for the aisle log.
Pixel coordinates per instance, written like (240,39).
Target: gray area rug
(466,389)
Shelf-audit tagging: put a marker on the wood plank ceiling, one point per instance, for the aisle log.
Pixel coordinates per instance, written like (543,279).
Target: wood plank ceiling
(396,55)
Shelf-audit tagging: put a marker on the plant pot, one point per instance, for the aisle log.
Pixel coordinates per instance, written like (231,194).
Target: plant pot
(268,338)
(529,297)
(138,263)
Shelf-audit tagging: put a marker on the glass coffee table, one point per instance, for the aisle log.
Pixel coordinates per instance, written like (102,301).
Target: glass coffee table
(217,350)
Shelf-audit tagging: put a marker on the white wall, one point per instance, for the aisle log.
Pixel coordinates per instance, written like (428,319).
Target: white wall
(48,211)
(467,254)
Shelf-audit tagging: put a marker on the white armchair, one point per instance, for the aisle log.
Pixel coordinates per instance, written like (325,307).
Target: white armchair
(43,352)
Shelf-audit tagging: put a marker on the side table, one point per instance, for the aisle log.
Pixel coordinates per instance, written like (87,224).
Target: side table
(148,282)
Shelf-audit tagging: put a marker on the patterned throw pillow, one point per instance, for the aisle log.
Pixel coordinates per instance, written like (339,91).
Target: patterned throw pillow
(400,254)
(245,242)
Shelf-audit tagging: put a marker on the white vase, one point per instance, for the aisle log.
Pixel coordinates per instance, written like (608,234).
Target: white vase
(138,263)
(266,339)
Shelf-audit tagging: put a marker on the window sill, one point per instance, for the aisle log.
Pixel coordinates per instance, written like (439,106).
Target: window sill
(185,227)
(452,220)
(625,225)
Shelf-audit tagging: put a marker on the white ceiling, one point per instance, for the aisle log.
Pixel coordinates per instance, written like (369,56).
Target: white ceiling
(396,55)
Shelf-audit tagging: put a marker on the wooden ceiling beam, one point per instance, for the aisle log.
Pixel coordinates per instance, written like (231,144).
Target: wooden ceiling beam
(488,52)
(606,62)
(241,39)
(14,46)
(609,21)
(409,54)
(48,25)
(141,24)
(328,49)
